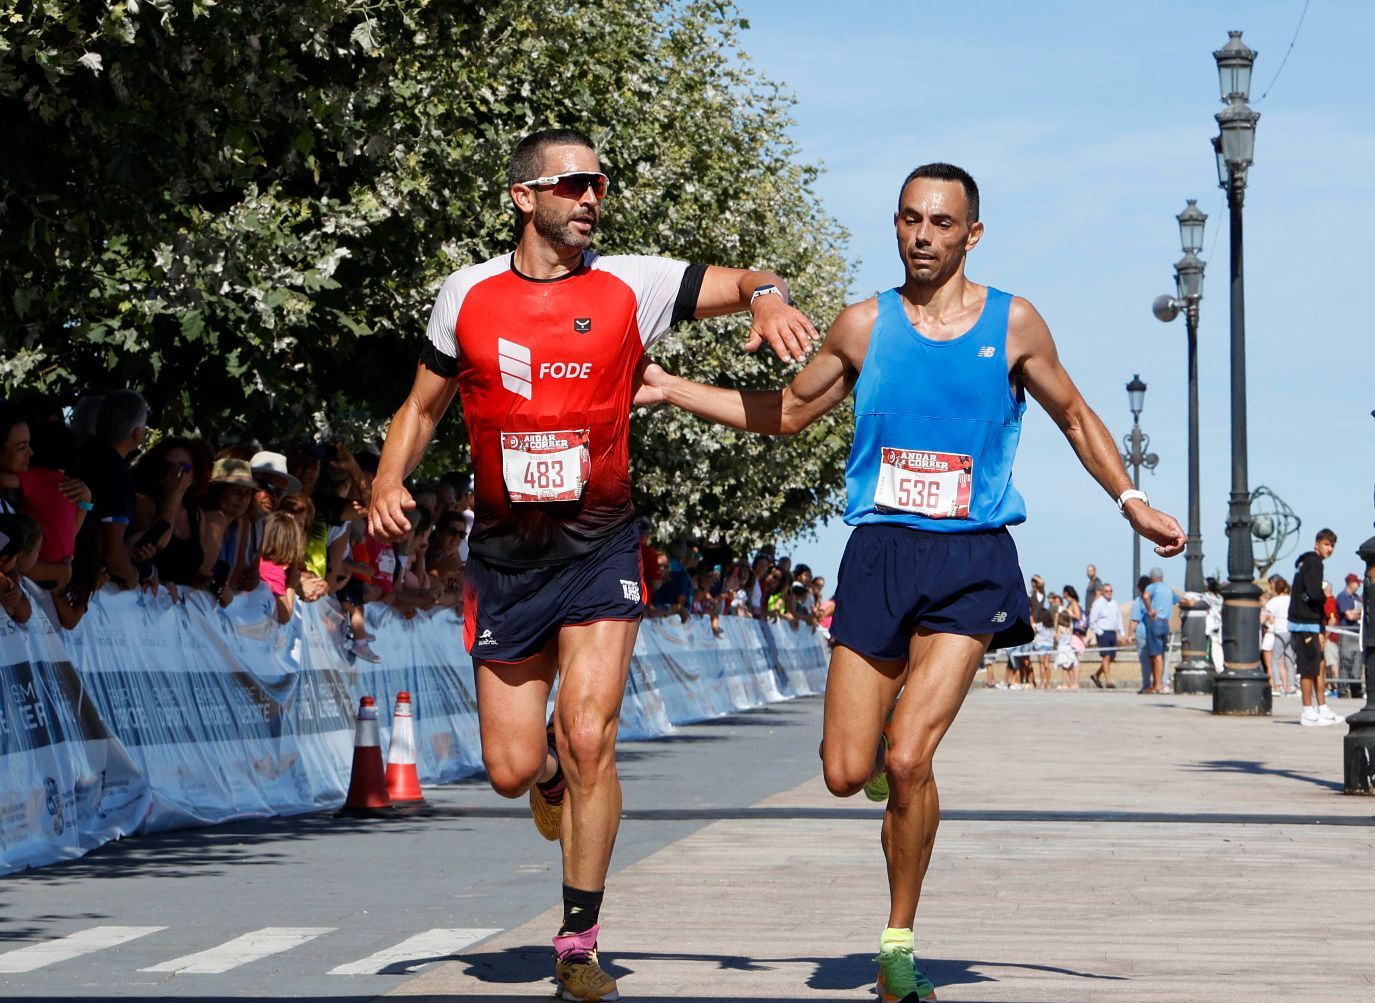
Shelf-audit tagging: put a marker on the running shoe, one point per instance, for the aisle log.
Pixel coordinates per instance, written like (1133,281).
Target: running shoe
(546,800)
(578,972)
(1325,716)
(877,787)
(899,979)
(1309,718)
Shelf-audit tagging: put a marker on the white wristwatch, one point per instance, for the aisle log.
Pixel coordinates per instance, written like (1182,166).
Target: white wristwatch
(767,290)
(1127,496)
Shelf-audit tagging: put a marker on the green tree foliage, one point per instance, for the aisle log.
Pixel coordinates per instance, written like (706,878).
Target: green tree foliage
(243,209)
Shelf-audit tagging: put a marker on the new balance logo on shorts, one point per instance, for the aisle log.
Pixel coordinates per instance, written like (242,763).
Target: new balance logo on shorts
(986,352)
(486,637)
(631,590)
(1000,617)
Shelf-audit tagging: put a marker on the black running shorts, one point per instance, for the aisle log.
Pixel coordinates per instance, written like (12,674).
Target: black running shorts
(510,613)
(894,579)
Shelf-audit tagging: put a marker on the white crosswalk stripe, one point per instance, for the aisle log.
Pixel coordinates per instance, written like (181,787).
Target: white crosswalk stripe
(242,950)
(411,953)
(97,938)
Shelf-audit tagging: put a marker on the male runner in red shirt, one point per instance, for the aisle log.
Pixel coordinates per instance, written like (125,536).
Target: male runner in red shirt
(542,346)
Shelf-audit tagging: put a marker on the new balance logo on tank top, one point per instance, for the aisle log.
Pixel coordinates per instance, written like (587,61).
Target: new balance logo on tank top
(936,426)
(545,371)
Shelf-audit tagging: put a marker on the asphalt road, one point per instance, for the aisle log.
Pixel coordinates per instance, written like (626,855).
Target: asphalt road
(314,908)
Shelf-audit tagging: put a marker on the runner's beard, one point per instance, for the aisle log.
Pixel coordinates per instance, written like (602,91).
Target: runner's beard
(558,229)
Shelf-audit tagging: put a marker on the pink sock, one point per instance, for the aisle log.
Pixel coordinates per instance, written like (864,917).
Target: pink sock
(577,943)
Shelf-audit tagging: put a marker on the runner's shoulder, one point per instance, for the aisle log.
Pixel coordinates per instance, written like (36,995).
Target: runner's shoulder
(1027,332)
(848,335)
(635,268)
(1025,319)
(461,280)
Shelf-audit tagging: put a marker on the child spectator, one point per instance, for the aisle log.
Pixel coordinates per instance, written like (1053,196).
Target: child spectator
(302,509)
(88,575)
(280,559)
(20,538)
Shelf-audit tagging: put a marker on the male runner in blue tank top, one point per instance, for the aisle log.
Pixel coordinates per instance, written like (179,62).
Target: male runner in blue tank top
(939,368)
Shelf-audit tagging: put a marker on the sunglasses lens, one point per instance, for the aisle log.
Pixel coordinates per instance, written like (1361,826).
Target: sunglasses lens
(572,186)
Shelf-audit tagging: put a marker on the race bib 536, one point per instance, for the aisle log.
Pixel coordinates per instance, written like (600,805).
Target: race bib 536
(936,485)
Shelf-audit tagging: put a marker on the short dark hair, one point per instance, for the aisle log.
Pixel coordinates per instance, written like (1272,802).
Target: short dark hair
(1326,534)
(946,172)
(527,161)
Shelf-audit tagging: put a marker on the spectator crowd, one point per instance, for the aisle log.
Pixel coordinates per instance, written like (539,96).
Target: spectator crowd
(1069,624)
(90,497)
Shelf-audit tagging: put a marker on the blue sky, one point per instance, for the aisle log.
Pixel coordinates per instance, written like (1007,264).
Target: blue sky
(1086,134)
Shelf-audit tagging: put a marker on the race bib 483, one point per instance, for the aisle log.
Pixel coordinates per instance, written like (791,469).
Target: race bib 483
(545,466)
(936,485)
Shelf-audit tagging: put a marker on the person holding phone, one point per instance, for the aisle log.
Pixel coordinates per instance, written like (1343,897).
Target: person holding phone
(169,481)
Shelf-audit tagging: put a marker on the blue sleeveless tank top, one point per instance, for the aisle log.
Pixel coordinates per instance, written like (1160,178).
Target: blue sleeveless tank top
(936,426)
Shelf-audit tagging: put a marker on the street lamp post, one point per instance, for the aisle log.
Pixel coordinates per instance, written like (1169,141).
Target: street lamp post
(1243,686)
(1136,456)
(1195,671)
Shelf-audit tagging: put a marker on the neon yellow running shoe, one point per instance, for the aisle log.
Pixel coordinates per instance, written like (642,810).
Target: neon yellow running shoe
(877,787)
(899,979)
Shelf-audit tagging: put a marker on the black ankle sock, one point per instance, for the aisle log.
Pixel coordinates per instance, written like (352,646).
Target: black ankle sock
(580,910)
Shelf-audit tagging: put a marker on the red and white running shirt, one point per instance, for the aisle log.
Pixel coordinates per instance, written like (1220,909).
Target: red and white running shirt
(545,371)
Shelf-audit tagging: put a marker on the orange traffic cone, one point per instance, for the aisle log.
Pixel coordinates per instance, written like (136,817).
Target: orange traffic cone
(367,795)
(403,782)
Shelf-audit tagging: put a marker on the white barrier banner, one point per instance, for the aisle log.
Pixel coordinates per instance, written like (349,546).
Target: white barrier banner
(66,784)
(156,715)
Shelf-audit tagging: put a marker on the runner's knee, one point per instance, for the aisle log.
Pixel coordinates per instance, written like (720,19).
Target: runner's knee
(908,769)
(589,744)
(511,770)
(846,772)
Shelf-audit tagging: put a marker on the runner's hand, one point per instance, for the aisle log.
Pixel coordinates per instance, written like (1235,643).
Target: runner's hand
(787,330)
(1158,527)
(650,380)
(390,502)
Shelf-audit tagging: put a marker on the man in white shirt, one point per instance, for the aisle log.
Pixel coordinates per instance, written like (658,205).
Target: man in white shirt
(1105,620)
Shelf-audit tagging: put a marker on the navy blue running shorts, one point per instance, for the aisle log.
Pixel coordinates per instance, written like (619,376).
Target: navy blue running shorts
(510,613)
(894,579)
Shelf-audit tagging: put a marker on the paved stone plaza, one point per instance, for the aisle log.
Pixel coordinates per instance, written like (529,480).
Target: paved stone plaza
(1097,845)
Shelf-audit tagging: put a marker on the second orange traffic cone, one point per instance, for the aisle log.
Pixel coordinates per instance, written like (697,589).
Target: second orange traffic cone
(403,782)
(368,783)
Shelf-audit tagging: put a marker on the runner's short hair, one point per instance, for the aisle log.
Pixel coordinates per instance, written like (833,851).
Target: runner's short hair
(945,172)
(1327,535)
(527,161)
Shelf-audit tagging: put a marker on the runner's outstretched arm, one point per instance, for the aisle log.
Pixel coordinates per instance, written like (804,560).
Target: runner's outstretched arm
(822,384)
(786,329)
(1037,364)
(407,439)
